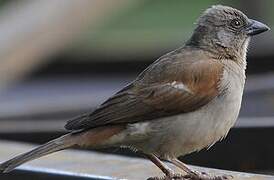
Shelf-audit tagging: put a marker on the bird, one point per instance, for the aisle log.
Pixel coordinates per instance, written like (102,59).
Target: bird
(185,101)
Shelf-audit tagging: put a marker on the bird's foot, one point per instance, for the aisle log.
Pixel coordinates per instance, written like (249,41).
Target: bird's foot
(168,177)
(205,176)
(193,176)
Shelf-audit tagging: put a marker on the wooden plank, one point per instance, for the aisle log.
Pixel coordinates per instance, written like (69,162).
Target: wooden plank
(81,163)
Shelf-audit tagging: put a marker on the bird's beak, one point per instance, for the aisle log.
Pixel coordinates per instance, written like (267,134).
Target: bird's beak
(256,27)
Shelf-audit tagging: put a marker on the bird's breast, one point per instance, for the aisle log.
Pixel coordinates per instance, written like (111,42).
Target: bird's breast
(185,133)
(212,122)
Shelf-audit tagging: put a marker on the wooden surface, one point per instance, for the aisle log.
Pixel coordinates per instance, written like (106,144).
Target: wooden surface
(90,164)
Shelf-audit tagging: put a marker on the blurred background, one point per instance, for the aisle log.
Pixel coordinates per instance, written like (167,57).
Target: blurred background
(62,58)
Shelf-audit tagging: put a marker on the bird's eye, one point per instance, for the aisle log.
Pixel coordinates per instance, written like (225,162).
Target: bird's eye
(236,23)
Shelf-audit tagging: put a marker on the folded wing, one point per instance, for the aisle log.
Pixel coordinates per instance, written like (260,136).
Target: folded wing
(165,88)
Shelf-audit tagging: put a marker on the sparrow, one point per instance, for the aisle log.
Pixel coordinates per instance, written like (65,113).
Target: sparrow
(185,101)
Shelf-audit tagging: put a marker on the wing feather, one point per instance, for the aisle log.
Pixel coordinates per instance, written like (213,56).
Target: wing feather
(161,90)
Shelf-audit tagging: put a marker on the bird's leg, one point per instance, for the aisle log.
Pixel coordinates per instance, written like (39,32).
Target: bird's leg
(183,166)
(164,168)
(170,175)
(195,175)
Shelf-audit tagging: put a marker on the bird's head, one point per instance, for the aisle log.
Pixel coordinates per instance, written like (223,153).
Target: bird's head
(224,27)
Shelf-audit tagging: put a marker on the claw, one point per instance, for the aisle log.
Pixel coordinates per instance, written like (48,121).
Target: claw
(206,176)
(170,177)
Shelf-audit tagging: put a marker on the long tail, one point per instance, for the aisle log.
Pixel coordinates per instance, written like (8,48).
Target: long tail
(97,137)
(55,145)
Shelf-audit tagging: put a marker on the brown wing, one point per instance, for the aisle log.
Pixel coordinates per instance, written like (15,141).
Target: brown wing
(177,83)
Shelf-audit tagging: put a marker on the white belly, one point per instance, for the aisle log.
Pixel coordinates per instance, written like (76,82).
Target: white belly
(202,128)
(195,131)
(185,133)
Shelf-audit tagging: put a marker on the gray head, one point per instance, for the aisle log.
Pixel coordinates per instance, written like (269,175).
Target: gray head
(225,29)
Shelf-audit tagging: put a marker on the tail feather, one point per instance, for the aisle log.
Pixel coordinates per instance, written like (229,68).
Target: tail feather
(55,145)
